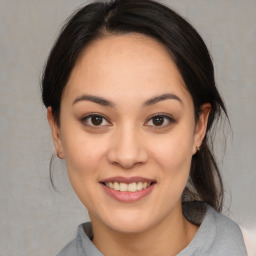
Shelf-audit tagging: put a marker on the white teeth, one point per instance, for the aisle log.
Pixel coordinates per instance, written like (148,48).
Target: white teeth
(144,185)
(139,186)
(131,187)
(123,187)
(116,186)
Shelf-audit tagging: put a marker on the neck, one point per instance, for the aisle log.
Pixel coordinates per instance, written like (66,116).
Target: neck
(166,238)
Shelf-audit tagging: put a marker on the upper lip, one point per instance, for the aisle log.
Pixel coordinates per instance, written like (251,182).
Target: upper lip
(127,180)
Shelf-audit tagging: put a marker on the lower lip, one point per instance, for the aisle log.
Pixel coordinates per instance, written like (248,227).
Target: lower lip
(128,196)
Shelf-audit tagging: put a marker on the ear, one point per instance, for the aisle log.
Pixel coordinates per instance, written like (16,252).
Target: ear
(201,126)
(55,133)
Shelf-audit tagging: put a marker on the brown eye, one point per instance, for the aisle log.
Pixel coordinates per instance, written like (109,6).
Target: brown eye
(158,120)
(96,120)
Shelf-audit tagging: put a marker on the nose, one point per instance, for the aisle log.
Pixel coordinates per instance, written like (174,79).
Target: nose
(126,149)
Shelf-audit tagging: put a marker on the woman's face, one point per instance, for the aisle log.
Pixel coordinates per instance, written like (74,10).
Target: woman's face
(127,123)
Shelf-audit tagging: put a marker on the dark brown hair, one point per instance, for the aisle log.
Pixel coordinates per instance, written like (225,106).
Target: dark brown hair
(187,50)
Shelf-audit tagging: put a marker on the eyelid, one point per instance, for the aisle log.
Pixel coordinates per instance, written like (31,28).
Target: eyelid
(86,117)
(170,119)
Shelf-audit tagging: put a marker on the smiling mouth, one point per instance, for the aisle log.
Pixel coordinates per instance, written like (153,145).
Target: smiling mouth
(128,187)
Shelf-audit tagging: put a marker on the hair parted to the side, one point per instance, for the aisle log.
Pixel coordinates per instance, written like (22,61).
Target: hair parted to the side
(186,49)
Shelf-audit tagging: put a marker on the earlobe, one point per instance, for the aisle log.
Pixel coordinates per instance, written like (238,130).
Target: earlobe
(55,133)
(201,126)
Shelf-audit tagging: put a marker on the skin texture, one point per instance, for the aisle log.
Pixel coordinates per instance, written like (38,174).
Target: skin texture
(128,70)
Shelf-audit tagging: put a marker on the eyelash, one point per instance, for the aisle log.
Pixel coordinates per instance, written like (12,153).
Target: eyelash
(85,119)
(167,118)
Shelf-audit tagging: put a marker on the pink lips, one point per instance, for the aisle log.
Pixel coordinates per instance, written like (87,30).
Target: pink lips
(128,196)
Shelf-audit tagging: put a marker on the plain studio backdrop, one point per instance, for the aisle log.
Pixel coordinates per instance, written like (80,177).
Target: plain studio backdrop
(36,220)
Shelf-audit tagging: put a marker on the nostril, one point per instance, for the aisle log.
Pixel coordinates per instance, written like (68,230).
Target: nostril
(127,153)
(124,163)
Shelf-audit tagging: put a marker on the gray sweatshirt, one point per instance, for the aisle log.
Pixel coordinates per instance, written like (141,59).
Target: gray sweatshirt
(216,236)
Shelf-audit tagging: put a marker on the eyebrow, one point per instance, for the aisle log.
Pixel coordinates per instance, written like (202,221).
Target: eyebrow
(105,102)
(95,99)
(162,97)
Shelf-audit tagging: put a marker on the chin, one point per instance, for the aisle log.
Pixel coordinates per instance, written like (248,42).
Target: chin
(128,222)
(130,226)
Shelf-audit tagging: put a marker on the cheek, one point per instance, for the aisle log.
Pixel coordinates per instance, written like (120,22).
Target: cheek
(175,166)
(174,150)
(173,153)
(83,160)
(83,154)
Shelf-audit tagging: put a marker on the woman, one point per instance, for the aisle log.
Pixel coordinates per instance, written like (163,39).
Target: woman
(131,100)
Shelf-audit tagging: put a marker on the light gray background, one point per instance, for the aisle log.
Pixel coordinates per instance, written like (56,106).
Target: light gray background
(34,219)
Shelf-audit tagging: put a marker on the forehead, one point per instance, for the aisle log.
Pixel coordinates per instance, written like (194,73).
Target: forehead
(130,64)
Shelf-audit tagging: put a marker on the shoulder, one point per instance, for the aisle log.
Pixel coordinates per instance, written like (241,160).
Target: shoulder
(224,225)
(217,234)
(228,239)
(69,249)
(82,244)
